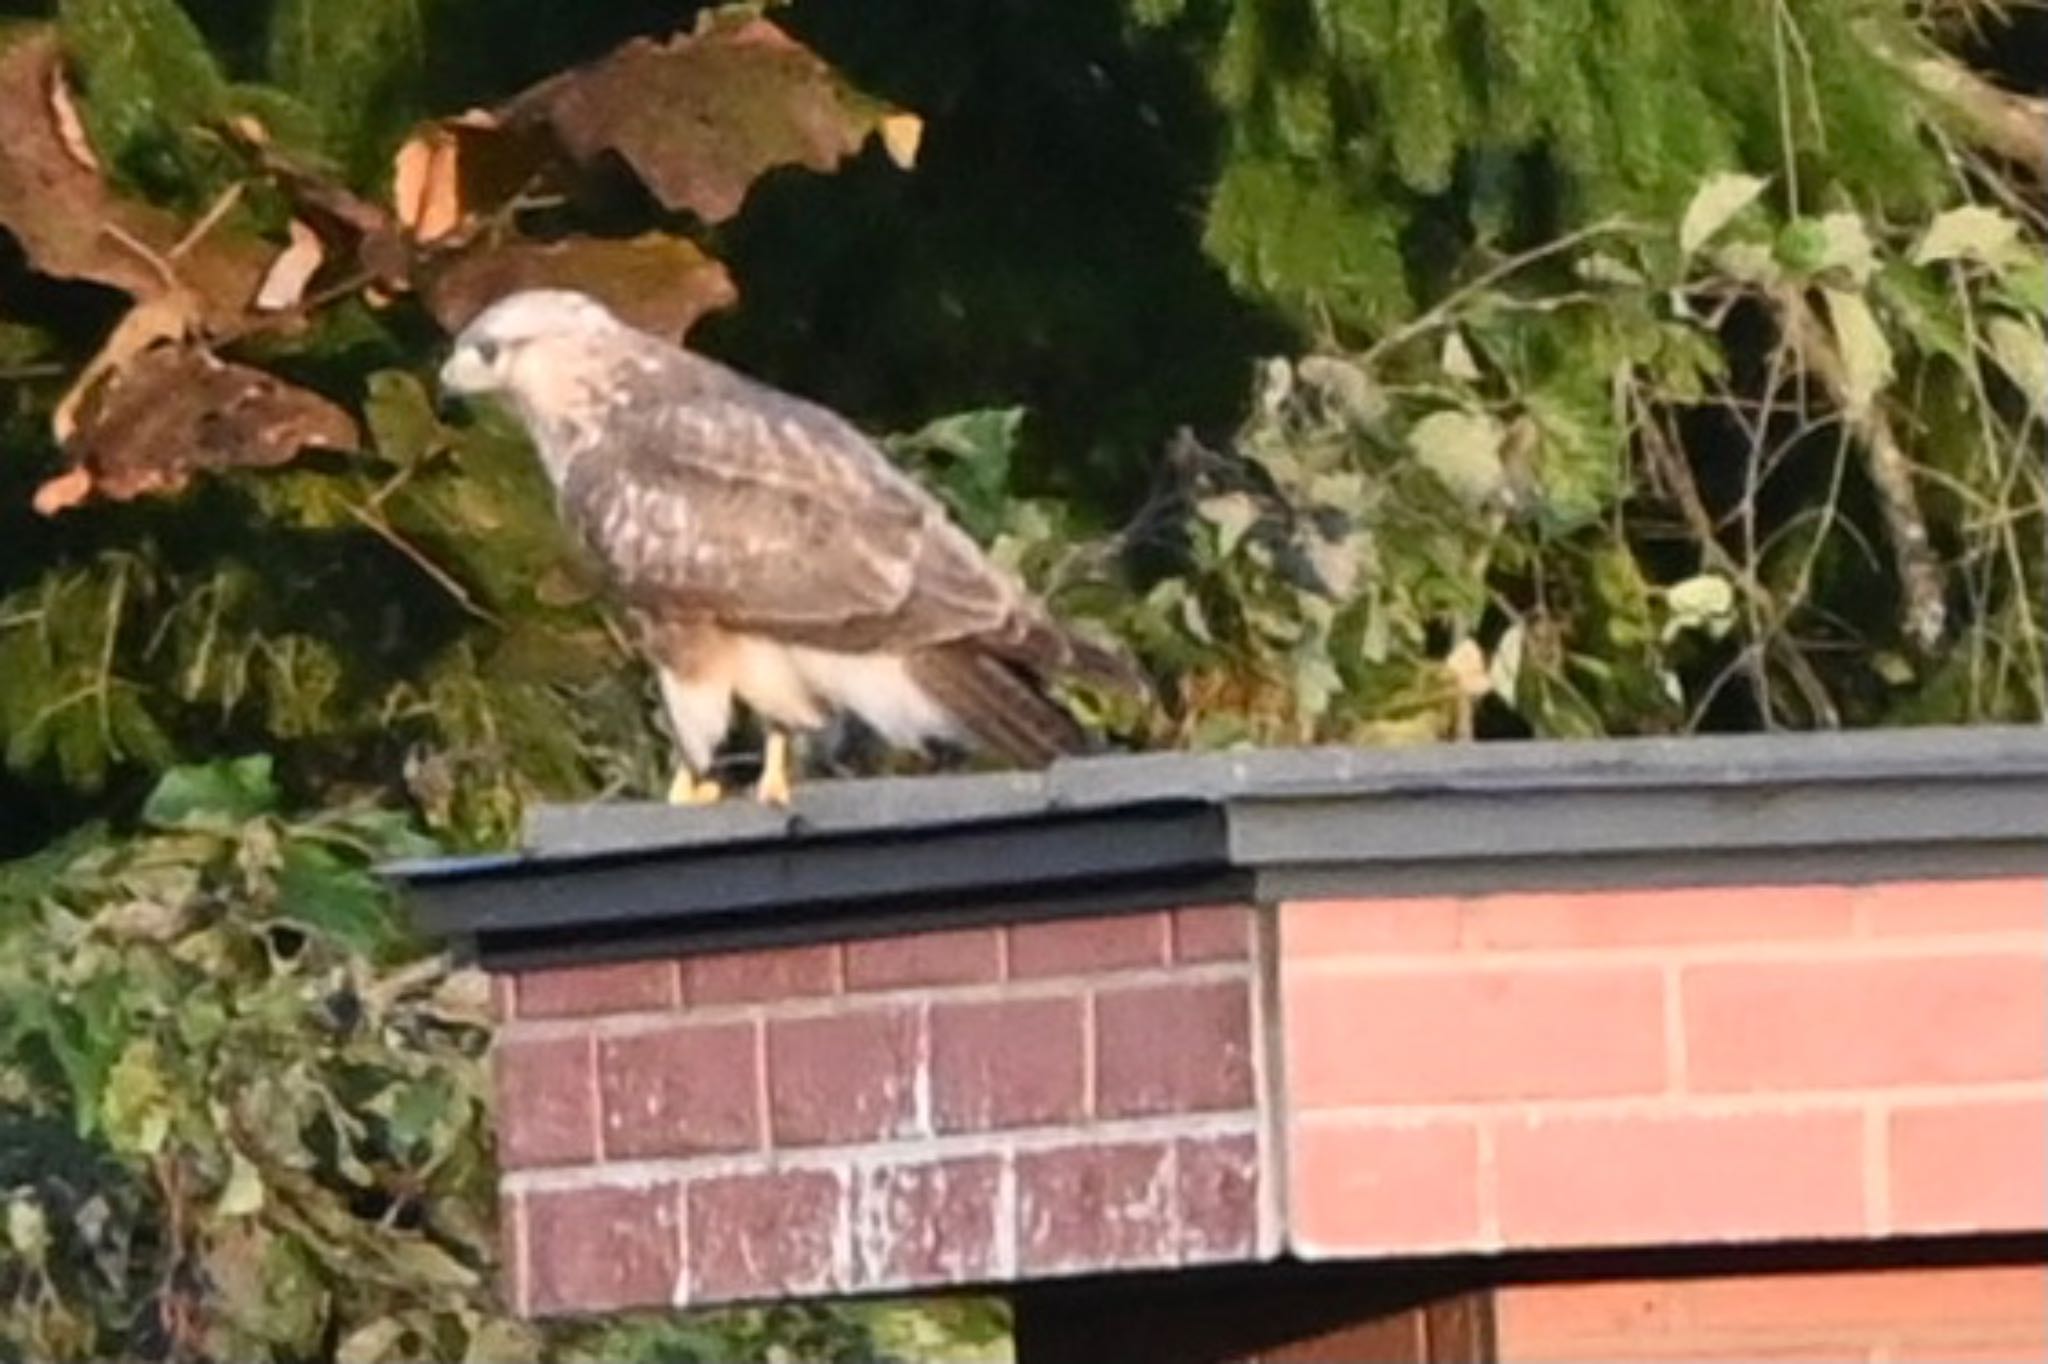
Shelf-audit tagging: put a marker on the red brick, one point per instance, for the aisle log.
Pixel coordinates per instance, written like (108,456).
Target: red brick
(680,1090)
(1632,918)
(1358,1186)
(1630,1318)
(842,1077)
(1218,1189)
(1850,1021)
(1643,1180)
(1094,1207)
(546,1101)
(1007,1063)
(601,1249)
(765,1235)
(1970,1167)
(2023,1346)
(1075,947)
(1474,1034)
(751,977)
(1214,932)
(502,1006)
(1173,1048)
(1939,908)
(1910,1297)
(1344,928)
(582,991)
(931,1223)
(962,957)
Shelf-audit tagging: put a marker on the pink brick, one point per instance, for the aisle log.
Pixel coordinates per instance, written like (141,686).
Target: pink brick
(681,1090)
(1218,1189)
(1644,1180)
(842,1077)
(765,1235)
(546,1101)
(751,977)
(502,1003)
(1939,908)
(583,991)
(1630,918)
(1214,933)
(1849,1021)
(963,957)
(1075,947)
(1970,1166)
(1345,928)
(599,1249)
(1007,1063)
(1173,1048)
(1474,1034)
(1089,1208)
(928,1223)
(1370,1186)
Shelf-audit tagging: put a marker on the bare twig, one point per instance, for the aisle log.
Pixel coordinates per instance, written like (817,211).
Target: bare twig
(1440,312)
(1922,584)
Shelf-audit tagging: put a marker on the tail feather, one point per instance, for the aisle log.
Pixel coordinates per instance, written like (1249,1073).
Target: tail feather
(1000,704)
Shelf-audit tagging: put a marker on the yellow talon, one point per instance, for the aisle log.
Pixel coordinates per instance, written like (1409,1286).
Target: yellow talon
(687,790)
(773,788)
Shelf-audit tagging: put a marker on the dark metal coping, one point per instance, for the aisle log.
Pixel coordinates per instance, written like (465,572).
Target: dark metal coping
(1102,835)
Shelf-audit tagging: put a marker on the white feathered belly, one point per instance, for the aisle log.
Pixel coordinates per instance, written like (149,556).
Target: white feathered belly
(800,688)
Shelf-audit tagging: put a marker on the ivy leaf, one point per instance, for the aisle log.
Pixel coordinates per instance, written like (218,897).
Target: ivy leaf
(1714,206)
(319,890)
(972,471)
(655,281)
(1463,449)
(1973,232)
(213,796)
(700,117)
(2020,351)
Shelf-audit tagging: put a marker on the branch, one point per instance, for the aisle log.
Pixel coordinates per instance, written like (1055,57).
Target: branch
(2011,125)
(1922,584)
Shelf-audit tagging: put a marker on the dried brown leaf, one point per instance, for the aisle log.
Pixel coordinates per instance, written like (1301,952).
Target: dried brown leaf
(659,283)
(72,225)
(175,410)
(700,117)
(292,271)
(70,127)
(448,174)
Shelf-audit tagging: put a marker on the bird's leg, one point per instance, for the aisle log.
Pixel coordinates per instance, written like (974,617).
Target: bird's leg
(686,789)
(773,788)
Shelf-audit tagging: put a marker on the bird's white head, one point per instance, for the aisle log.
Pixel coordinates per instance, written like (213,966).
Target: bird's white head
(488,350)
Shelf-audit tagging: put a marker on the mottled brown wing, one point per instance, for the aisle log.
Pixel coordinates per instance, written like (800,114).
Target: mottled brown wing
(714,496)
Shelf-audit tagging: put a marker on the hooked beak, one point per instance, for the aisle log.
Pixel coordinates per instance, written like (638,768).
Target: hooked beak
(464,373)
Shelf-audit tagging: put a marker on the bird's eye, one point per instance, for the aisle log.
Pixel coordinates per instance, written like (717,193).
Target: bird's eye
(486,351)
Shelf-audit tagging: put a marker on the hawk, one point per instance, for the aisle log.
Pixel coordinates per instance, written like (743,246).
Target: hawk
(769,552)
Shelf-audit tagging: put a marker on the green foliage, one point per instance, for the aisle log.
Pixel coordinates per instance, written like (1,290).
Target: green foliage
(1370,139)
(1607,360)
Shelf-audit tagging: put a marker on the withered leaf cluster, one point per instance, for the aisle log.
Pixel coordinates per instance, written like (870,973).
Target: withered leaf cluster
(695,117)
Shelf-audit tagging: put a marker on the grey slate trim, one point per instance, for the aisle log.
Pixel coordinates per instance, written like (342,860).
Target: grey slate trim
(1103,834)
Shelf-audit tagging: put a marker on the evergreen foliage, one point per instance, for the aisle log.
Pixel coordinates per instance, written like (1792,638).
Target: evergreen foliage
(1377,370)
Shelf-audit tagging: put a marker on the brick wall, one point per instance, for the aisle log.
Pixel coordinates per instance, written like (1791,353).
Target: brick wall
(946,1108)
(1670,1067)
(1341,1080)
(1955,1315)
